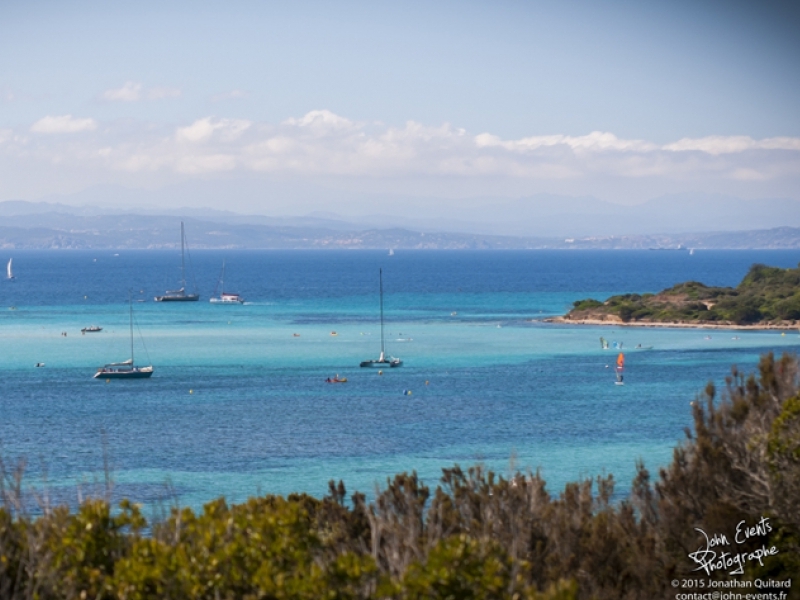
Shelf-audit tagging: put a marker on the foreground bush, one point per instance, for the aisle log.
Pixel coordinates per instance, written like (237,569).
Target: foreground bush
(477,535)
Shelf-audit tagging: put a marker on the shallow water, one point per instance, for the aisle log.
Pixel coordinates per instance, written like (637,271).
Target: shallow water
(238,405)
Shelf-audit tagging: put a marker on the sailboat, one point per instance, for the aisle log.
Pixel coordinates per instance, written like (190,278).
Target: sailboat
(619,368)
(9,271)
(125,369)
(224,298)
(180,295)
(382,360)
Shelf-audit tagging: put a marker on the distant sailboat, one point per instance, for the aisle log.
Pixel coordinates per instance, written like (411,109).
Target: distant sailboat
(10,276)
(125,369)
(382,360)
(180,295)
(391,252)
(225,298)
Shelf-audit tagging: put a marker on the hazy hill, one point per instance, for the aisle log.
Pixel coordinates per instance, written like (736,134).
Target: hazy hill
(44,225)
(540,215)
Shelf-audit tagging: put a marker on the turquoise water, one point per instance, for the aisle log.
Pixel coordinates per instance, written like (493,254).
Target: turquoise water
(238,404)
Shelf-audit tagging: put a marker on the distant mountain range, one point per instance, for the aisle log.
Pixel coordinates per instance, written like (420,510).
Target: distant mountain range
(28,225)
(540,215)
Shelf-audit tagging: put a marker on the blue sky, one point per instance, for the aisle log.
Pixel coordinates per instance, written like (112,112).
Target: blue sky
(619,100)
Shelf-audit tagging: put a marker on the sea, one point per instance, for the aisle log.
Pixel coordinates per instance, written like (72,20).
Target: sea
(239,405)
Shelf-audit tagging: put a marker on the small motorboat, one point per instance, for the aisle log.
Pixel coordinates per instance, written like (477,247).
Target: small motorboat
(91,329)
(336,379)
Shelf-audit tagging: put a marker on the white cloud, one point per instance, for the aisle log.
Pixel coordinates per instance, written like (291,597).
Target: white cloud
(321,120)
(596,141)
(718,144)
(130,92)
(322,143)
(63,124)
(202,130)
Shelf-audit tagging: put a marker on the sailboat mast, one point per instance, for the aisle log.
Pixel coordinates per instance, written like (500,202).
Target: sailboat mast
(183,264)
(130,302)
(380,279)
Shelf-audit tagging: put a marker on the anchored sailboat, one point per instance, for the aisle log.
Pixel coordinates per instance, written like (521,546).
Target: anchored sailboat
(180,295)
(382,360)
(125,369)
(225,298)
(10,276)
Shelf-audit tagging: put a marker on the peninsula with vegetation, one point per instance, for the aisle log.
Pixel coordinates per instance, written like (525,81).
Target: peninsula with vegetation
(767,298)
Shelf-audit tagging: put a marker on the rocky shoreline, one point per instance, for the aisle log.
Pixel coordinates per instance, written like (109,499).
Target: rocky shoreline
(617,322)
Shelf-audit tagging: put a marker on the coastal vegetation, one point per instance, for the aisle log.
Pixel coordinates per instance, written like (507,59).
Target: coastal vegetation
(766,295)
(476,535)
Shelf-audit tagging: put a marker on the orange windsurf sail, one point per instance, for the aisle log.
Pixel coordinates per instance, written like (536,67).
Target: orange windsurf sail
(620,360)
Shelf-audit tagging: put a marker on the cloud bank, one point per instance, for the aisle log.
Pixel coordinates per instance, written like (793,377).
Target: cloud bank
(324,143)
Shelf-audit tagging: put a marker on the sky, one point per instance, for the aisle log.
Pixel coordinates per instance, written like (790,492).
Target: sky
(283,108)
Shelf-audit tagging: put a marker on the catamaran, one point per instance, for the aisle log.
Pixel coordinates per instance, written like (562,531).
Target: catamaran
(382,360)
(125,369)
(225,298)
(180,295)
(10,273)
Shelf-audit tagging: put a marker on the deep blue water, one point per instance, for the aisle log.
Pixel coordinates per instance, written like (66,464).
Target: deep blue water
(238,404)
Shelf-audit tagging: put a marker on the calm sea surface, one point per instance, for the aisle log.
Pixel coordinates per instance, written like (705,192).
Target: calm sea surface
(238,403)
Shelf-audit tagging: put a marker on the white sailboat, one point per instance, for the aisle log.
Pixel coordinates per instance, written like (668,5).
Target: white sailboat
(10,273)
(225,297)
(126,369)
(180,295)
(382,360)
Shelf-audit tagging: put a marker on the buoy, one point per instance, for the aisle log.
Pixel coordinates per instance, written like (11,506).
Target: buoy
(85,297)
(426,382)
(191,391)
(380,372)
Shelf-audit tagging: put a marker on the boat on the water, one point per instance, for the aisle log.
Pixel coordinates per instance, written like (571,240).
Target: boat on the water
(9,272)
(224,297)
(382,360)
(180,295)
(91,329)
(619,369)
(126,369)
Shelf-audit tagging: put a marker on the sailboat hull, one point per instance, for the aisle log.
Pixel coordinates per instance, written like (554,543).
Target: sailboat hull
(382,364)
(123,373)
(181,298)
